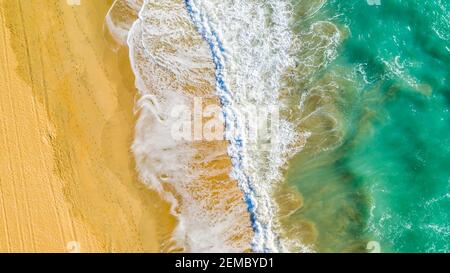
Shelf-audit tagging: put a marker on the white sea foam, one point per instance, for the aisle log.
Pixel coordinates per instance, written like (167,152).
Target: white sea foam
(120,17)
(168,57)
(251,43)
(252,48)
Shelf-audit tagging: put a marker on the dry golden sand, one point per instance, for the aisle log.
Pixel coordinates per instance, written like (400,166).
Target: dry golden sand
(66,125)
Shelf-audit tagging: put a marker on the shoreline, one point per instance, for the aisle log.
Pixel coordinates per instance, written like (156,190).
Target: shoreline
(195,176)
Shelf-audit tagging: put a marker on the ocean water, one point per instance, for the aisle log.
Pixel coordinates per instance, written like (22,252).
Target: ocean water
(360,154)
(385,175)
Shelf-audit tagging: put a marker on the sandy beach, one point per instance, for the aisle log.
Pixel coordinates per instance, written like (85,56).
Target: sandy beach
(67,176)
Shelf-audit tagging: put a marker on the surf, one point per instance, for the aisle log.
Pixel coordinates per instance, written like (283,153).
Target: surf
(244,55)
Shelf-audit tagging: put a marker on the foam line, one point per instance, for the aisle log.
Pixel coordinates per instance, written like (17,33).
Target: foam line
(256,185)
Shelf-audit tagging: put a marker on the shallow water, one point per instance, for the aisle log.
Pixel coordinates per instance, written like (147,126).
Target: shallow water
(384,172)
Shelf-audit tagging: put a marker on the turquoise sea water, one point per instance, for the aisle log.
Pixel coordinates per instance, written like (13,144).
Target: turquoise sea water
(377,166)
